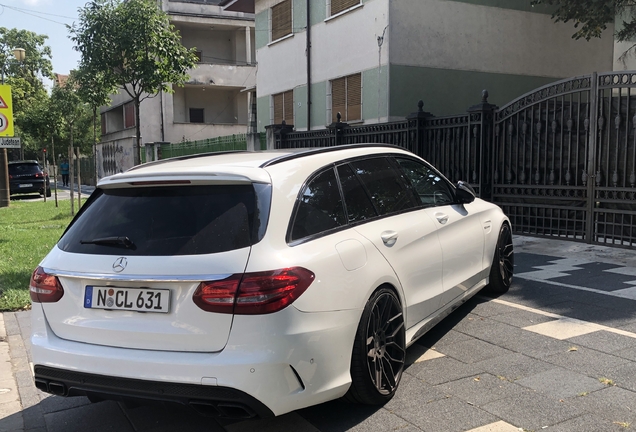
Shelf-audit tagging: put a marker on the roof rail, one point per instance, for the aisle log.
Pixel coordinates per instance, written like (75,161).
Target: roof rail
(317,150)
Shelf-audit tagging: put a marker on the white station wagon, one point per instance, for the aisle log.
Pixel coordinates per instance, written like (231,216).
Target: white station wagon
(251,284)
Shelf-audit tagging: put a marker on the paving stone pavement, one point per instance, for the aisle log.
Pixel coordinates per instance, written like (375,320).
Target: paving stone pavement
(556,353)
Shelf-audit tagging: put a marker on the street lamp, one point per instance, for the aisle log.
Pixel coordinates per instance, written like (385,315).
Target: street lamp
(19,54)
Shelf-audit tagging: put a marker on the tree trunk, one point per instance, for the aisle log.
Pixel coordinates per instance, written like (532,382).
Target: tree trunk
(71,172)
(95,144)
(138,130)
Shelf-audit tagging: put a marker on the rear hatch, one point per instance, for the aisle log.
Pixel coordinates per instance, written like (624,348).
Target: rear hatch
(131,260)
(25,175)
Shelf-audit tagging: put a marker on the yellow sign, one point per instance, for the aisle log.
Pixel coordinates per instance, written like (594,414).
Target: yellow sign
(6,111)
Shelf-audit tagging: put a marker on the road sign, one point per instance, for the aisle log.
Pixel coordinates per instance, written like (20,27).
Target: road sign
(9,142)
(6,112)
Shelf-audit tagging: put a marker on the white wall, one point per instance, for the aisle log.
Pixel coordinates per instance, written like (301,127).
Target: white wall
(457,35)
(340,46)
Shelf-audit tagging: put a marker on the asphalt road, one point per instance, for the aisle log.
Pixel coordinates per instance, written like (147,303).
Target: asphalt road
(556,353)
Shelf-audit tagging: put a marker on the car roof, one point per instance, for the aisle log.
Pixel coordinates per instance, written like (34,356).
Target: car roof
(243,165)
(24,162)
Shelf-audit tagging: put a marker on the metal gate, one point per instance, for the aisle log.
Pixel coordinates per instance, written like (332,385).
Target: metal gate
(564,160)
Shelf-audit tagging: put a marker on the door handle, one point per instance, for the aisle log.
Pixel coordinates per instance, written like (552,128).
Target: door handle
(441,218)
(389,238)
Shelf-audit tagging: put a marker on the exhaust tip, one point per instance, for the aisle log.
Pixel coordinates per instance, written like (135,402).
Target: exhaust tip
(206,409)
(236,411)
(57,389)
(41,385)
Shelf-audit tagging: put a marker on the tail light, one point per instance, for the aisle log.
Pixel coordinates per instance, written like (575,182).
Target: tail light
(253,293)
(45,288)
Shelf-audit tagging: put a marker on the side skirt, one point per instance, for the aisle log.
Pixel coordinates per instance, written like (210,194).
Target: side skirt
(419,329)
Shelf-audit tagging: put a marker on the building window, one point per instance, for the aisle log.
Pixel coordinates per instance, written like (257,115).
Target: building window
(196,115)
(103,123)
(284,107)
(346,98)
(129,115)
(281,20)
(337,6)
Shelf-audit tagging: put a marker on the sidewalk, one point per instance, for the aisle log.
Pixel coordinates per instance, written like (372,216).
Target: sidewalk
(86,190)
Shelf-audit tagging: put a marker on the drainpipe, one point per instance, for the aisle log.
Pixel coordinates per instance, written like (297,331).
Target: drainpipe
(163,135)
(308,67)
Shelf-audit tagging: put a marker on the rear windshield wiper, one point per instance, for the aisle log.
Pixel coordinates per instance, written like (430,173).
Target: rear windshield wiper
(111,241)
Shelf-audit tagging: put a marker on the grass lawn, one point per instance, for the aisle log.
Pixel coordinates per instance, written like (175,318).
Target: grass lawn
(28,231)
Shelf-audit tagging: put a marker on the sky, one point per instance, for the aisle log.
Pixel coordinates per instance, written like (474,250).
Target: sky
(46,17)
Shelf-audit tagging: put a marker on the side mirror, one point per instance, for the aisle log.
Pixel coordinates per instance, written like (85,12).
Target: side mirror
(465,194)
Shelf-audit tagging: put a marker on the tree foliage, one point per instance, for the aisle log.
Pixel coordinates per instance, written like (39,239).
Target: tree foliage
(129,46)
(25,77)
(591,18)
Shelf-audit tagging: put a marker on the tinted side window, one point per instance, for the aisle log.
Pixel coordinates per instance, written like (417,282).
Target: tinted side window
(430,187)
(319,208)
(388,192)
(358,204)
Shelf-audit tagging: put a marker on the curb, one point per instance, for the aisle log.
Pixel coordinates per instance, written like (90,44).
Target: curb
(9,396)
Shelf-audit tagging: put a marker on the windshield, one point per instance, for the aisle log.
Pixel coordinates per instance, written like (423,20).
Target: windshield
(174,220)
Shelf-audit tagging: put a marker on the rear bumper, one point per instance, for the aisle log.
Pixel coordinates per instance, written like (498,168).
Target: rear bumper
(207,400)
(271,365)
(37,186)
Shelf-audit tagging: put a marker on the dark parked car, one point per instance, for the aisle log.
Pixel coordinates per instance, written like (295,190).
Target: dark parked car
(27,177)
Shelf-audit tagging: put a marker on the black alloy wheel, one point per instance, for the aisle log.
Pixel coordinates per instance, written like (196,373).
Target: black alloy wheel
(503,262)
(379,350)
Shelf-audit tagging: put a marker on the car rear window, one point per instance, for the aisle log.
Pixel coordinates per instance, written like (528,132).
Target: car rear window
(24,168)
(163,221)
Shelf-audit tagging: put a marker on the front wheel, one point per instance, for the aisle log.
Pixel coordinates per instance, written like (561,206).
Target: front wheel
(379,350)
(503,262)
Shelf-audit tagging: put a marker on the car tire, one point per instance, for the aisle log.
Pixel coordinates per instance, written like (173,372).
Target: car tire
(379,350)
(48,193)
(503,263)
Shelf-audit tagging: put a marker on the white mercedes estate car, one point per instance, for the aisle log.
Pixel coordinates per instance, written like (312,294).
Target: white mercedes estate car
(251,284)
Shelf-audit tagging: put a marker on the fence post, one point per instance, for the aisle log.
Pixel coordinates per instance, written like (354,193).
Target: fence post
(337,129)
(277,134)
(417,140)
(481,121)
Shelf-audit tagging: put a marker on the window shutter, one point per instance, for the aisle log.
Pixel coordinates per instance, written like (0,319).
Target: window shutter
(278,108)
(338,99)
(354,97)
(288,101)
(338,6)
(281,20)
(129,115)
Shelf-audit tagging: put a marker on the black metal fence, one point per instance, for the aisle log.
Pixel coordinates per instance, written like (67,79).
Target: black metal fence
(560,160)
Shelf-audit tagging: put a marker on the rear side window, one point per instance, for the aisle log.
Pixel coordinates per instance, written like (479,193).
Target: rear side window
(385,184)
(164,221)
(319,208)
(357,201)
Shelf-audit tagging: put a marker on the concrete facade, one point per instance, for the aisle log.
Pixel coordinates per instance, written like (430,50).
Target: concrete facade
(225,42)
(444,52)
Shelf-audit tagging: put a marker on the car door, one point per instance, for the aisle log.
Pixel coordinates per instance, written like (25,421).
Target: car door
(460,231)
(383,209)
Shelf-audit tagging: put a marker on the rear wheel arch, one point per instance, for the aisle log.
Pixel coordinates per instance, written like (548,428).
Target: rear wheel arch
(379,348)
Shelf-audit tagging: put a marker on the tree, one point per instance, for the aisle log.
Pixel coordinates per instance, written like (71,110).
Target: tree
(25,77)
(130,46)
(592,17)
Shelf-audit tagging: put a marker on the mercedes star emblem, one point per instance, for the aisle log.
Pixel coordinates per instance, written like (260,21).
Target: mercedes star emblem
(120,264)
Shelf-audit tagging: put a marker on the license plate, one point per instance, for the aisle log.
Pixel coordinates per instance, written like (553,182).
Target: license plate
(25,185)
(133,299)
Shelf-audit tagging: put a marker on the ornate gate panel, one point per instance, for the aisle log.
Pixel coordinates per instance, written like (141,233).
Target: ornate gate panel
(540,159)
(613,173)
